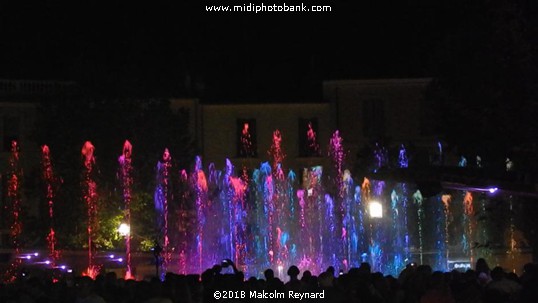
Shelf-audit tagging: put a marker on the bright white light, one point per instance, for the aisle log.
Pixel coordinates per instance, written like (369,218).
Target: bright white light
(120,260)
(111,256)
(47,262)
(124,229)
(376,209)
(62,267)
(28,257)
(493,189)
(36,254)
(70,270)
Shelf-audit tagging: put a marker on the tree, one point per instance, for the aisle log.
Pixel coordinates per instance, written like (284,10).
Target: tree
(483,92)
(150,125)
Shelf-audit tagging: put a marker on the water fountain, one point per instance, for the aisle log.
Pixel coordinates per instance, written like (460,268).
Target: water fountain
(51,182)
(126,181)
(89,187)
(162,197)
(273,217)
(268,219)
(13,207)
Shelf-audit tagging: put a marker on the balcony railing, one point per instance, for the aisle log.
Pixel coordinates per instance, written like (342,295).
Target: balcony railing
(37,87)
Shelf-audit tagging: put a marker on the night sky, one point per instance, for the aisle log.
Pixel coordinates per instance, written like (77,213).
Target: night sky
(170,49)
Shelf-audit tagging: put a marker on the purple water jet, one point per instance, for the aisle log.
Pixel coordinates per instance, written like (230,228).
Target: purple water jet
(162,196)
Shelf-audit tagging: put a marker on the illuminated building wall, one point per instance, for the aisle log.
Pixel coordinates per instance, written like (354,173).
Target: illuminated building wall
(390,110)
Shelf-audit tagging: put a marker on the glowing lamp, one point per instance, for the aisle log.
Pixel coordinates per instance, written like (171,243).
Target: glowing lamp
(493,189)
(124,229)
(376,209)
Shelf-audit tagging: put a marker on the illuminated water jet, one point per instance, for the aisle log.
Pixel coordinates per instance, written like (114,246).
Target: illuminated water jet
(89,187)
(162,193)
(13,207)
(51,182)
(126,181)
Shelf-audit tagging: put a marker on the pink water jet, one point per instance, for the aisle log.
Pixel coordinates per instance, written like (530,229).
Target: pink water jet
(311,137)
(89,187)
(247,148)
(51,182)
(276,152)
(13,207)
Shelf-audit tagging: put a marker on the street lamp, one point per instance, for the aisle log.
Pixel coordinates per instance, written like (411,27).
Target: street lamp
(124,229)
(376,209)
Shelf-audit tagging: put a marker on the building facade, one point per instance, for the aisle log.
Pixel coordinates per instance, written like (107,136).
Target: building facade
(364,111)
(388,111)
(244,133)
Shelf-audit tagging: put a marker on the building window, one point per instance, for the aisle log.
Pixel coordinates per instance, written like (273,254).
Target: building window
(373,118)
(308,138)
(246,138)
(11,131)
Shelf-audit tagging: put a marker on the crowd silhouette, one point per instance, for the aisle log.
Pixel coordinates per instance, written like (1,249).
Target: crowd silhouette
(415,284)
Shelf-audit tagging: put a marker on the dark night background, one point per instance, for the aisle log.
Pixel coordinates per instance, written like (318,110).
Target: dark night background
(481,55)
(168,48)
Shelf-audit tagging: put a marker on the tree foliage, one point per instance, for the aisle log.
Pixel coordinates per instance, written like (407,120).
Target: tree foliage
(483,94)
(150,125)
